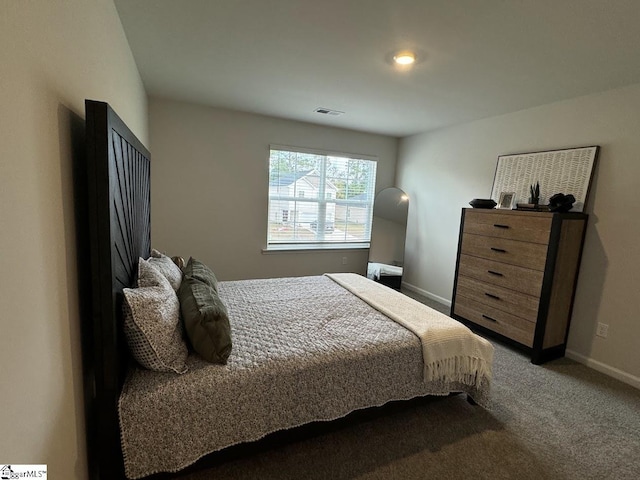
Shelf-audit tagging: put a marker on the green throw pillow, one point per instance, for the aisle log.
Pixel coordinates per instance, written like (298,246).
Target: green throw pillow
(199,271)
(205,319)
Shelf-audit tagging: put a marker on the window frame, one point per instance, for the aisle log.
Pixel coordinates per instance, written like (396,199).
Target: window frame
(321,200)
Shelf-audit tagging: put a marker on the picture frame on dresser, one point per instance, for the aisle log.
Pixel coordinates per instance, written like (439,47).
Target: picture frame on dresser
(507,201)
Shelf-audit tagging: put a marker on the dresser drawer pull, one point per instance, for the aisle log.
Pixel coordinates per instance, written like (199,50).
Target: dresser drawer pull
(497,225)
(489,318)
(495,297)
(499,250)
(497,274)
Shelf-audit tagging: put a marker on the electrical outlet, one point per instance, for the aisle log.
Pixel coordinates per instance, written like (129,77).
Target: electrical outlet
(603,330)
(344,260)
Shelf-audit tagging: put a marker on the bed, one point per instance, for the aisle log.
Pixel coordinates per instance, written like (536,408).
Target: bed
(305,349)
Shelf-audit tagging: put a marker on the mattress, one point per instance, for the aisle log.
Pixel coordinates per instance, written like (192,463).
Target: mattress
(304,349)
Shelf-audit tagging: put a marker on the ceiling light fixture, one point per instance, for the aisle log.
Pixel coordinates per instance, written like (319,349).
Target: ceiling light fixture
(404,58)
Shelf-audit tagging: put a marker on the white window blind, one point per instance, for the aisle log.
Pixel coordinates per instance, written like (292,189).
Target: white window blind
(319,199)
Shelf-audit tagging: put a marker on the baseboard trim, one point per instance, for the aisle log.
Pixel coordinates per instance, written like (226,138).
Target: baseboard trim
(604,368)
(424,293)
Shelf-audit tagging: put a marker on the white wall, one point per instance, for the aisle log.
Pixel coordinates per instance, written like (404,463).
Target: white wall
(209,177)
(53,55)
(443,170)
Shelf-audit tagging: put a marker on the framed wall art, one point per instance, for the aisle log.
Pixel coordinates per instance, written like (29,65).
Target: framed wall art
(567,171)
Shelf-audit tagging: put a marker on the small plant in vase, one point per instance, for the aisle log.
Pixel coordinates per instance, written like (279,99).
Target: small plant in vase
(534,190)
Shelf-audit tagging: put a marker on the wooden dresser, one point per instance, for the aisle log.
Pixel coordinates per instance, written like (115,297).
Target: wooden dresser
(516,274)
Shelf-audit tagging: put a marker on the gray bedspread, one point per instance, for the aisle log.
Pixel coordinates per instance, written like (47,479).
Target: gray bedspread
(304,349)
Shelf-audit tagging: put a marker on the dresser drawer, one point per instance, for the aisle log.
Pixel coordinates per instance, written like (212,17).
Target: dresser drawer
(513,252)
(496,320)
(510,301)
(521,279)
(526,228)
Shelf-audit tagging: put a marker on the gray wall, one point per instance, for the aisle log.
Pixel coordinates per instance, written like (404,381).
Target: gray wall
(443,170)
(53,55)
(209,180)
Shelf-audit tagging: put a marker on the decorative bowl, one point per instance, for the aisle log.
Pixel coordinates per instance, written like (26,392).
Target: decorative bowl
(482,203)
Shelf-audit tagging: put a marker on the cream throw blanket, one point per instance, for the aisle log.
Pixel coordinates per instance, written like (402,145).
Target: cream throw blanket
(450,350)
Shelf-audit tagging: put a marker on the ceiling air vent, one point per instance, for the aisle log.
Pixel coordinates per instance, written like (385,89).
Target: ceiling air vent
(328,111)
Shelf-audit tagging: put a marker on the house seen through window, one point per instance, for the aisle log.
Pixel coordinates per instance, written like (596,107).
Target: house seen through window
(319,200)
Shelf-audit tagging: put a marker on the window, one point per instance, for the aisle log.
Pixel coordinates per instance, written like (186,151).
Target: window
(330,193)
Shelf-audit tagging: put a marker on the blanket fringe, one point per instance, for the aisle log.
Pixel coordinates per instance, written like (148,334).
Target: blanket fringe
(463,369)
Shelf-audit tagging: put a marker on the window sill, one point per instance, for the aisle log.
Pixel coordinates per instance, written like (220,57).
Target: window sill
(310,248)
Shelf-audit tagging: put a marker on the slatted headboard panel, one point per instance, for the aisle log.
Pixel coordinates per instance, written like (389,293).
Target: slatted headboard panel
(118,170)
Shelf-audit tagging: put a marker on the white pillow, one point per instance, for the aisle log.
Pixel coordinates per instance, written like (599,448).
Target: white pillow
(167,267)
(152,323)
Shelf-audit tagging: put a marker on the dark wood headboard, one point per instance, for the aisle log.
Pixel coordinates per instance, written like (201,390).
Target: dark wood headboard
(118,176)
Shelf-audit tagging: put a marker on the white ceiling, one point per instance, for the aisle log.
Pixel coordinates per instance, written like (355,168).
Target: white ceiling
(478,58)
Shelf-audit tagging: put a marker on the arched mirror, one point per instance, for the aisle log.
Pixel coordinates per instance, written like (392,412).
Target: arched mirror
(386,253)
